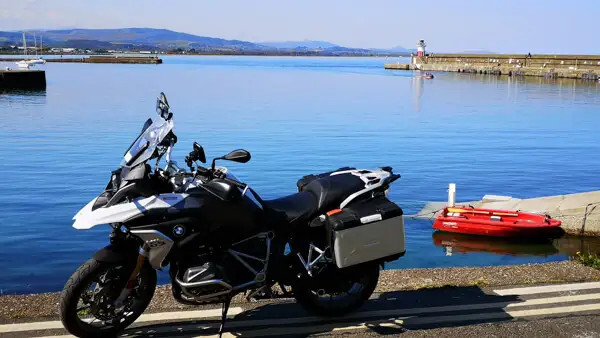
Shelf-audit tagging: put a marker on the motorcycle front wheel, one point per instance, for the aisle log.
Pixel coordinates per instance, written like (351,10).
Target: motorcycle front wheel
(340,293)
(87,301)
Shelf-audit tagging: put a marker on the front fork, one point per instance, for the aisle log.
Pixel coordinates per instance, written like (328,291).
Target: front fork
(143,254)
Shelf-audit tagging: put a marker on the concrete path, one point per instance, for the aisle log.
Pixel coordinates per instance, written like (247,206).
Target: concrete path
(439,310)
(580,213)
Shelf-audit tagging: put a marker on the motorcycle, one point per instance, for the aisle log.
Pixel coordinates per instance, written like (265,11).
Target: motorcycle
(323,246)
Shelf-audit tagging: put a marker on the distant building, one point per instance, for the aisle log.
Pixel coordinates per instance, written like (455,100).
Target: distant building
(421,48)
(415,60)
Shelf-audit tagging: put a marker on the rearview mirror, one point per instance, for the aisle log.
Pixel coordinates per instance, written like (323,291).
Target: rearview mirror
(162,107)
(239,155)
(199,151)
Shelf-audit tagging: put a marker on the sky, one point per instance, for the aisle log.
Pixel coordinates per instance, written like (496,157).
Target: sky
(504,26)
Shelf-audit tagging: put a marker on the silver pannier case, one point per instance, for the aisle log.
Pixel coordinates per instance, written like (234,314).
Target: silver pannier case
(365,231)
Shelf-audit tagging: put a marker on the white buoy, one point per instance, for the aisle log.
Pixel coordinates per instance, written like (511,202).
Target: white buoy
(451,194)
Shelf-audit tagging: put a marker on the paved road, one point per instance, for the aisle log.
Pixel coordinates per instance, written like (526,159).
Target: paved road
(449,312)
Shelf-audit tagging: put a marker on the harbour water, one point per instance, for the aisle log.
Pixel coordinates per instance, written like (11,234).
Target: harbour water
(490,135)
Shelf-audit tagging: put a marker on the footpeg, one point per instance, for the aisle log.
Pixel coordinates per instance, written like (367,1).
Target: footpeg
(264,292)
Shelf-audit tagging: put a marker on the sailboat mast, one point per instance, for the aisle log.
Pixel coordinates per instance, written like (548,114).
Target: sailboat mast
(24,45)
(35,44)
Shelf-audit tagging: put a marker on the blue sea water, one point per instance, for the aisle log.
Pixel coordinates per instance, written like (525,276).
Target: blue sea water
(521,137)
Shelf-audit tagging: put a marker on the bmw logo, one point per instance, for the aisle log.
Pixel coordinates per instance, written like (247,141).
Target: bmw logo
(178,230)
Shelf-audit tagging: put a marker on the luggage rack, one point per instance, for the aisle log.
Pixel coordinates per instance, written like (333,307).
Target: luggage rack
(372,180)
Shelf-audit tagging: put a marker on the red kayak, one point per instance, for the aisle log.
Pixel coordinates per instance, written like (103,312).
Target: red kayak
(502,223)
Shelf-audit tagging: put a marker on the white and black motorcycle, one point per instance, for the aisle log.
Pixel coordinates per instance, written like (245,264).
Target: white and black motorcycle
(323,245)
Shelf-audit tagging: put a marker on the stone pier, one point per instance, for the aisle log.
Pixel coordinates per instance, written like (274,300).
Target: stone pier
(22,79)
(584,67)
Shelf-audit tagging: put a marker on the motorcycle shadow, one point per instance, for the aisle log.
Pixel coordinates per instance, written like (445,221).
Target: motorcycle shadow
(384,314)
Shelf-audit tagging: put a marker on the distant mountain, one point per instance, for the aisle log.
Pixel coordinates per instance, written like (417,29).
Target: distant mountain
(162,38)
(10,36)
(330,47)
(149,36)
(394,50)
(16,38)
(402,49)
(388,52)
(131,39)
(299,44)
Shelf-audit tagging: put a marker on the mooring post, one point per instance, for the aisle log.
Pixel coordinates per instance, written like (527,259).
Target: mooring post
(451,194)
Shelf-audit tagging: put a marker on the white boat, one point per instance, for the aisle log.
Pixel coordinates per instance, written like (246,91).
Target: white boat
(23,64)
(38,60)
(26,63)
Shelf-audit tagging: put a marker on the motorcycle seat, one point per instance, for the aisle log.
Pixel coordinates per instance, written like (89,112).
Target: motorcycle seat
(319,196)
(331,191)
(299,207)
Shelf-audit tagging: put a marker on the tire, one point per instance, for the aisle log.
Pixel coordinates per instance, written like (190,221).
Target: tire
(305,297)
(79,282)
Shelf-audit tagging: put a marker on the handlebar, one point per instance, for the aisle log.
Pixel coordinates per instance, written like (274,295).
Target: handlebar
(208,173)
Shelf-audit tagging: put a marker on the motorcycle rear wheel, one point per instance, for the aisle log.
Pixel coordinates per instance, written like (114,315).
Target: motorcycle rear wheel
(358,286)
(96,271)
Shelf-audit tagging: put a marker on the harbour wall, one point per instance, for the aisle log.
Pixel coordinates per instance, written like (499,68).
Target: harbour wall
(99,59)
(585,67)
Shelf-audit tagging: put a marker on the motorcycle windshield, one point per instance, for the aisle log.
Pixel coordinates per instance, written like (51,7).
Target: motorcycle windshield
(144,145)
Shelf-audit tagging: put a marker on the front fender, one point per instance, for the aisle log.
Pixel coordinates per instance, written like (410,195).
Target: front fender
(125,252)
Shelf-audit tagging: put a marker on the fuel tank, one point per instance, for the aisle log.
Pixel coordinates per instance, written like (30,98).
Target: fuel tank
(215,213)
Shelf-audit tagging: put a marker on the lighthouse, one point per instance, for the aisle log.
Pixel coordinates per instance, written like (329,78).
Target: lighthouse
(421,48)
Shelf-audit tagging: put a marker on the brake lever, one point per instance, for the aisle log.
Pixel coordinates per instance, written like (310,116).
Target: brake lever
(200,171)
(236,183)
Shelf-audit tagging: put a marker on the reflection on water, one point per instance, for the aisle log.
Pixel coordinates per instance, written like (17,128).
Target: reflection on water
(417,85)
(537,80)
(23,91)
(514,85)
(567,245)
(20,94)
(19,102)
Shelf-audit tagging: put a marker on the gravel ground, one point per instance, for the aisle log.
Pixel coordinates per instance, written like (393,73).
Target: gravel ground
(44,306)
(555,272)
(566,327)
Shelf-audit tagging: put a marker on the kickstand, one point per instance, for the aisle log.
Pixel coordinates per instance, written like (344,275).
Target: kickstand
(224,310)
